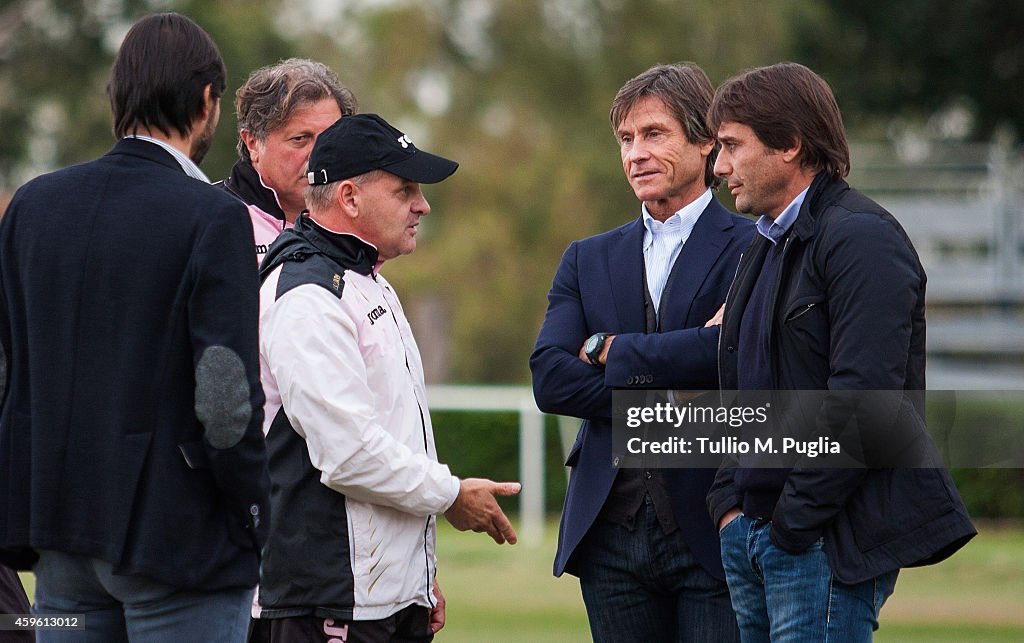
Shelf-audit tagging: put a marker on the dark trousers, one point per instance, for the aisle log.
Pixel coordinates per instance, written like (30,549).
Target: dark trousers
(408,625)
(644,585)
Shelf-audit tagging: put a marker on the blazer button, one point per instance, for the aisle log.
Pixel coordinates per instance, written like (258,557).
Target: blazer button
(730,349)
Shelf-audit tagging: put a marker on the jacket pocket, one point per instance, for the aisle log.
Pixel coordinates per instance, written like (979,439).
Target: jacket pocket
(805,335)
(802,306)
(194,454)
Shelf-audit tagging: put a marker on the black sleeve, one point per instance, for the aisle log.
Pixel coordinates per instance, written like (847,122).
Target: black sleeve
(224,328)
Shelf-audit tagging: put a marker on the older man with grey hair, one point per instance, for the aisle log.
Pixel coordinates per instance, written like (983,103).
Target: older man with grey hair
(281,110)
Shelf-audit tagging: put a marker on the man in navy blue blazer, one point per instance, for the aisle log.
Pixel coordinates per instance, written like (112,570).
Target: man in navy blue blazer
(133,472)
(627,310)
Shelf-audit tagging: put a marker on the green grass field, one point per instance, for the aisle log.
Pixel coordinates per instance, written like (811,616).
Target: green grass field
(507,594)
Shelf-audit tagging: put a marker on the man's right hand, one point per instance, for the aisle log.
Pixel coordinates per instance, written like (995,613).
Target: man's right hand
(476,508)
(729,516)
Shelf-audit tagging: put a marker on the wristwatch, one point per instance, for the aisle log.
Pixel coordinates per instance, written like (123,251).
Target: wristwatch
(593,347)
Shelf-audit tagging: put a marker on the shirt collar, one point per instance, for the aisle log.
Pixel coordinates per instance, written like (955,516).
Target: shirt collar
(185,162)
(687,217)
(774,230)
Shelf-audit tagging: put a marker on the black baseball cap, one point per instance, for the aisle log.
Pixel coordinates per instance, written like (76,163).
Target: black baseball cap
(357,144)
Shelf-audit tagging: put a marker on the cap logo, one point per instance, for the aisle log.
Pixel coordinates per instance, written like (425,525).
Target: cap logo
(404,141)
(311,177)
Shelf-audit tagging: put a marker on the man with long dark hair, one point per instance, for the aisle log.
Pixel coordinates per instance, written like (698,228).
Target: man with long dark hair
(133,475)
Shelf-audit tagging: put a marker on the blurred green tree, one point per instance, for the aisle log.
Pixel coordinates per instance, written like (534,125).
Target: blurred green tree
(519,93)
(922,59)
(55,58)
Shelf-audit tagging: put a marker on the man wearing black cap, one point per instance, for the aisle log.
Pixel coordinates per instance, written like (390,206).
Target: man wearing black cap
(356,481)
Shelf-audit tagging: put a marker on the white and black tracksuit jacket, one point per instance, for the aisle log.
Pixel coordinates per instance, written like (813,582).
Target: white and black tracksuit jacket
(355,478)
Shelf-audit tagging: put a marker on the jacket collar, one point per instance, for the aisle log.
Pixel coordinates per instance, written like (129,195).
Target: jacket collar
(699,254)
(145,150)
(245,183)
(307,239)
(824,191)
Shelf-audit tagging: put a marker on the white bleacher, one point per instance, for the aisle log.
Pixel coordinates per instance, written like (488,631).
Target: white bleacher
(963,207)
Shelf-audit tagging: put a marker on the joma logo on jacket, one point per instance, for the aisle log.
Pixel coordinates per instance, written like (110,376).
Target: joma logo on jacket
(376,314)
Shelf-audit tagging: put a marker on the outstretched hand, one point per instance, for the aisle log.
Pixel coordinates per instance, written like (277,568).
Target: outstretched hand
(476,508)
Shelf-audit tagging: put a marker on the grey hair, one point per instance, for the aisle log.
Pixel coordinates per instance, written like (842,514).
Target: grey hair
(320,197)
(272,93)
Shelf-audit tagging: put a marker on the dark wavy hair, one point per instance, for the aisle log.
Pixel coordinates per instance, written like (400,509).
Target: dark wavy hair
(782,103)
(686,91)
(159,75)
(272,93)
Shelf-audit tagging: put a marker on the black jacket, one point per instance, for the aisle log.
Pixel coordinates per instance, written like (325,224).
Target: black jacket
(847,314)
(245,183)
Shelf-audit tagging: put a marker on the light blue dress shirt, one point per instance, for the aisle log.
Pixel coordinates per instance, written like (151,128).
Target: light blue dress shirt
(773,230)
(664,241)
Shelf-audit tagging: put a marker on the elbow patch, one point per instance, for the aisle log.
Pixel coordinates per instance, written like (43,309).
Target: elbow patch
(222,396)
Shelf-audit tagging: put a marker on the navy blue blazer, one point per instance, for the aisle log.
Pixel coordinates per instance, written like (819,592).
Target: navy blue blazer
(130,401)
(599,286)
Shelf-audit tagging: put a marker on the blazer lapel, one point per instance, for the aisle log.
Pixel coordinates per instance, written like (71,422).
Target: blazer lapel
(696,259)
(626,276)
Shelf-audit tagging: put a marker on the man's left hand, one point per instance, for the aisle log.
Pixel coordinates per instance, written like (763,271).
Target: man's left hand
(603,357)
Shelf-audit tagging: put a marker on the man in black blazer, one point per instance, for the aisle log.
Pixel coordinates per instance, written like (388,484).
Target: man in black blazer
(133,474)
(627,310)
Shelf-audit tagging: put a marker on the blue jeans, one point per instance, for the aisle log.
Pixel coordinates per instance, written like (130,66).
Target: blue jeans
(794,598)
(644,585)
(131,608)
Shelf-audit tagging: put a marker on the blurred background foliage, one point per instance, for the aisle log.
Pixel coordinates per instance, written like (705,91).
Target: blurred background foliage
(518,92)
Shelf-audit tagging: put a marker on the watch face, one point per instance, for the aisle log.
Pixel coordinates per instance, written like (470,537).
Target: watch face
(591,344)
